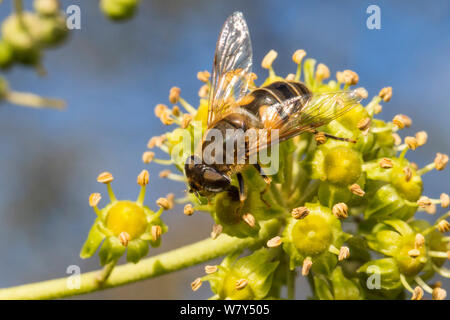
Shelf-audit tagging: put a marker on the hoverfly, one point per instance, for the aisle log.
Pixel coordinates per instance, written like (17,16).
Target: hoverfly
(287,106)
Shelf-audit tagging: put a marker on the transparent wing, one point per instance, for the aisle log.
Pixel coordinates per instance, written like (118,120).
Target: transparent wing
(303,114)
(231,68)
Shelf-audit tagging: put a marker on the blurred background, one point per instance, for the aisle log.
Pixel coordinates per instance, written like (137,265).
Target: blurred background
(113,74)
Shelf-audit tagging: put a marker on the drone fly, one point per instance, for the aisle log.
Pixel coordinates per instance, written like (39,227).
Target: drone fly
(286,106)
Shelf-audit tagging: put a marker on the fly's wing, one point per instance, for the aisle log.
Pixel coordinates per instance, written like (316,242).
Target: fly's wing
(303,114)
(231,68)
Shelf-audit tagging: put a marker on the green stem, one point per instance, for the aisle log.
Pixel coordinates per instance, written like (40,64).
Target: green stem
(106,272)
(147,268)
(291,283)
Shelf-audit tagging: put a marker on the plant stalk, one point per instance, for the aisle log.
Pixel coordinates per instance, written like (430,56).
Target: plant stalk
(161,264)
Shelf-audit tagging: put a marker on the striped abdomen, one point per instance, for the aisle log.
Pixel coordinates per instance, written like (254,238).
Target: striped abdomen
(265,104)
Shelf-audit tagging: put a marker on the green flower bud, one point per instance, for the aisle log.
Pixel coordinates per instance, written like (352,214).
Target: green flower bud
(343,288)
(385,270)
(351,119)
(21,37)
(53,30)
(409,188)
(127,226)
(6,55)
(126,216)
(119,9)
(46,7)
(247,278)
(342,166)
(232,215)
(393,199)
(312,237)
(396,238)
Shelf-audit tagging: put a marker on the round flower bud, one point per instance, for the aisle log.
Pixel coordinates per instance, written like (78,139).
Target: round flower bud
(119,9)
(410,186)
(53,30)
(342,166)
(46,7)
(21,34)
(6,55)
(312,236)
(126,216)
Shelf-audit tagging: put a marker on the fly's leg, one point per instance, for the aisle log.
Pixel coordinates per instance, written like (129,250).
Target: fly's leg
(242,195)
(334,137)
(267,179)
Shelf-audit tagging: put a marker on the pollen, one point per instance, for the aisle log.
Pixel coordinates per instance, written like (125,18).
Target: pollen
(165,118)
(188,210)
(386,163)
(216,231)
(274,242)
(362,92)
(440,161)
(171,198)
(348,77)
(196,284)
(176,111)
(164,173)
(241,284)
(421,137)
(411,142)
(340,210)
(298,56)
(124,238)
(320,138)
(397,139)
(364,124)
(443,226)
(174,95)
(156,232)
(377,108)
(94,199)
(163,203)
(419,241)
(414,253)
(105,177)
(210,269)
(203,76)
(408,173)
(300,213)
(143,178)
(322,72)
(356,190)
(147,156)
(249,219)
(344,253)
(402,121)
(445,200)
(424,202)
(290,77)
(203,91)
(439,294)
(269,59)
(160,109)
(385,94)
(417,293)
(156,141)
(307,264)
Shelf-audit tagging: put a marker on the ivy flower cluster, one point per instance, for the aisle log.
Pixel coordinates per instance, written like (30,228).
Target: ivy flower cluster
(349,216)
(25,35)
